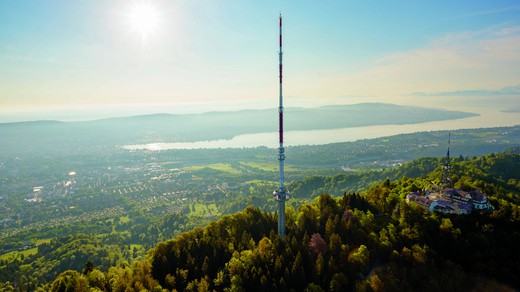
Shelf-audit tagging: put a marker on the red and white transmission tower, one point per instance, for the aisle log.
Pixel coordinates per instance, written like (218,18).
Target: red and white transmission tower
(281,194)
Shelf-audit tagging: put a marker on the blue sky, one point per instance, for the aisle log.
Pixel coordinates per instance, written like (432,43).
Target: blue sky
(60,54)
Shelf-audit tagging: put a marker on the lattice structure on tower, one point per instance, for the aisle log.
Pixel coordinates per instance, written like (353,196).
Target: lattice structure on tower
(281,195)
(446,168)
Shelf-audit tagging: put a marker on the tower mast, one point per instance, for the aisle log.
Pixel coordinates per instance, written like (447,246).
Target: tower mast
(281,194)
(446,168)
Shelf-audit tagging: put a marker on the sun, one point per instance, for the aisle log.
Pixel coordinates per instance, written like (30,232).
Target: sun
(144,19)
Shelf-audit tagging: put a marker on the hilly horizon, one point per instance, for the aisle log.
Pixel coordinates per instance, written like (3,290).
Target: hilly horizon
(299,110)
(209,126)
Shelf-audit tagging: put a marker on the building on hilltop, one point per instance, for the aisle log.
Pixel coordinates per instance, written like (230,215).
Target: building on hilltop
(475,197)
(480,201)
(439,204)
(450,200)
(422,201)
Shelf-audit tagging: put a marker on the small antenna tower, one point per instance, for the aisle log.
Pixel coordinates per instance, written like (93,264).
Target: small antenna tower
(281,194)
(446,168)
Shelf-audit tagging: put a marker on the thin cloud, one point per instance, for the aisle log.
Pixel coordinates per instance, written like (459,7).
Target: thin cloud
(464,61)
(509,90)
(472,60)
(508,31)
(488,12)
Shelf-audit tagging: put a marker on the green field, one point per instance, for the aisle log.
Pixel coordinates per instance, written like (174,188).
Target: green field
(223,167)
(124,219)
(267,166)
(203,210)
(11,256)
(42,241)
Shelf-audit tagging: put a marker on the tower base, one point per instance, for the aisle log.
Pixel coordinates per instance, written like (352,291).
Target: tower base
(281,197)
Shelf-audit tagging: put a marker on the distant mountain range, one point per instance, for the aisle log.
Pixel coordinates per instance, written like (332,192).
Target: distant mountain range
(509,90)
(211,125)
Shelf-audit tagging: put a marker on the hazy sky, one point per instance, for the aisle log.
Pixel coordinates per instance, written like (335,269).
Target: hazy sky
(223,54)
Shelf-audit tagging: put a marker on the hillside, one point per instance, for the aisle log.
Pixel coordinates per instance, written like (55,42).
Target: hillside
(357,241)
(52,136)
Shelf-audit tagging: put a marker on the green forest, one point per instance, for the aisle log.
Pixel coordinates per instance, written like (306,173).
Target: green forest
(338,241)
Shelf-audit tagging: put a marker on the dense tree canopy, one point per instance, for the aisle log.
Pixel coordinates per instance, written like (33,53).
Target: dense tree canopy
(371,241)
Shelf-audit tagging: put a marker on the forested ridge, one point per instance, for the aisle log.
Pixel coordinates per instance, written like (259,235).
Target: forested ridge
(366,241)
(206,126)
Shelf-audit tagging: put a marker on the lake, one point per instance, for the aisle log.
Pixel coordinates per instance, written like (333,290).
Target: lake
(488,118)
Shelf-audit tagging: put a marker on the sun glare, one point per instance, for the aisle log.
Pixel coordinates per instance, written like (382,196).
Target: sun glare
(144,19)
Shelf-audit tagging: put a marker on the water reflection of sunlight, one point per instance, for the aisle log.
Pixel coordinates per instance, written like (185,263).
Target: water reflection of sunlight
(319,137)
(154,146)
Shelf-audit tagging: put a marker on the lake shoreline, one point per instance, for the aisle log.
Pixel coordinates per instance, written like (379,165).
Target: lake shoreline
(321,137)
